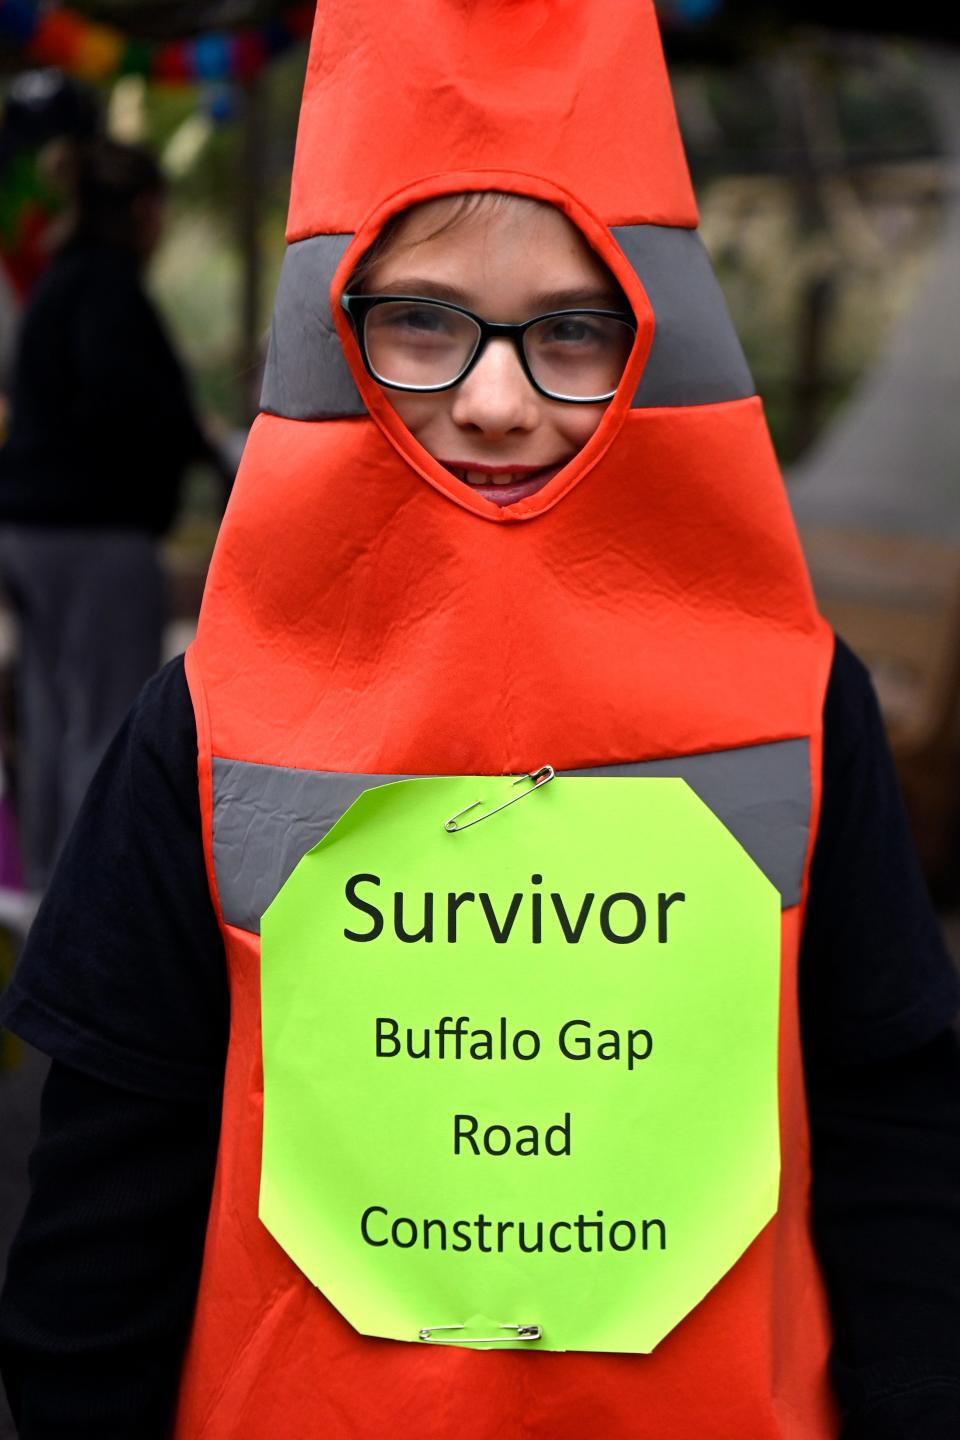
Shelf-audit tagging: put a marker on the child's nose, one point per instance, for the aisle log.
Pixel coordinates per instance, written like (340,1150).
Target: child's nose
(496,396)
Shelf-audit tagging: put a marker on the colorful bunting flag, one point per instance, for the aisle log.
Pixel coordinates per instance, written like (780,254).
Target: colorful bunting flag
(56,35)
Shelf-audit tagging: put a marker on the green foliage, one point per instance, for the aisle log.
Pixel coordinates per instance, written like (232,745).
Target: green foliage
(198,275)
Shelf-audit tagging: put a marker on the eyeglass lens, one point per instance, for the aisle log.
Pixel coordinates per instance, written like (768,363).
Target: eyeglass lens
(422,344)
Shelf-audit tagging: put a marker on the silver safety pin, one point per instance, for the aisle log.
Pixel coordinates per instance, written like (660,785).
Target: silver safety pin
(538,778)
(522,1332)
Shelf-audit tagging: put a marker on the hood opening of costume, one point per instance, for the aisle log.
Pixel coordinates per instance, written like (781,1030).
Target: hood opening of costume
(368,619)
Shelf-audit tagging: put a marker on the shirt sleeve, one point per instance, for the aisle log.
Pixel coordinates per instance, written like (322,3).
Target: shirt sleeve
(876,979)
(102,1276)
(886,1196)
(123,975)
(878,992)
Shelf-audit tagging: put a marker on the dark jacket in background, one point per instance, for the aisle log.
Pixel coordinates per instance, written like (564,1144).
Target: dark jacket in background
(101,425)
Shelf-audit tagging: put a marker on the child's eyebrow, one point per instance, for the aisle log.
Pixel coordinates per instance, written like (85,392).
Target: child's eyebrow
(577,297)
(601,298)
(429,289)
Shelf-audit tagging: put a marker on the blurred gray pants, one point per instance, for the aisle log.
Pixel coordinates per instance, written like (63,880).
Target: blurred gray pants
(90,611)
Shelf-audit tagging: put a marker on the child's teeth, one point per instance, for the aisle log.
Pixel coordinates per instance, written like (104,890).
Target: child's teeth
(481,477)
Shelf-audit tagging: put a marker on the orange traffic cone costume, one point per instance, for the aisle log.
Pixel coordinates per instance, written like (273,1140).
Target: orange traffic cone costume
(649,608)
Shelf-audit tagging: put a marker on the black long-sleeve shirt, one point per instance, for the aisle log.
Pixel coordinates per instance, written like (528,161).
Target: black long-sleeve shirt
(124,984)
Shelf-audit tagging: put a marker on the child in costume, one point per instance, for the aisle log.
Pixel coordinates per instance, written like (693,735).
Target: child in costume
(511,505)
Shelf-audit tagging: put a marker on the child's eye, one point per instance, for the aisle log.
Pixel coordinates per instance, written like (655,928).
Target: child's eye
(569,331)
(579,354)
(425,320)
(572,337)
(415,343)
(421,319)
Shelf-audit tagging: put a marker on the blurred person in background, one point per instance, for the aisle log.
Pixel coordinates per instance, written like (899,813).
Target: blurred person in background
(101,430)
(40,106)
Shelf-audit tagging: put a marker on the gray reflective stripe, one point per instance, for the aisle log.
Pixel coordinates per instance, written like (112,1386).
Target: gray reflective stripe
(306,375)
(265,817)
(695,358)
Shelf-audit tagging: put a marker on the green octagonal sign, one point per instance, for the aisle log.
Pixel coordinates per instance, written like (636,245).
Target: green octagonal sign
(520,1081)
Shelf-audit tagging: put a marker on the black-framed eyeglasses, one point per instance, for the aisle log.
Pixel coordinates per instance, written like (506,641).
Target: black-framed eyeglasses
(411,343)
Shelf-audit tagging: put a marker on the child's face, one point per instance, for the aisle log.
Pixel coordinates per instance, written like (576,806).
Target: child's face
(494,431)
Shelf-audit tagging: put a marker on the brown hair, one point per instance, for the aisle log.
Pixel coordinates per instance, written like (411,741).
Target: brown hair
(462,206)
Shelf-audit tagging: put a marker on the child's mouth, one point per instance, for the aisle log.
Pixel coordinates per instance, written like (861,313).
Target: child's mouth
(504,484)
